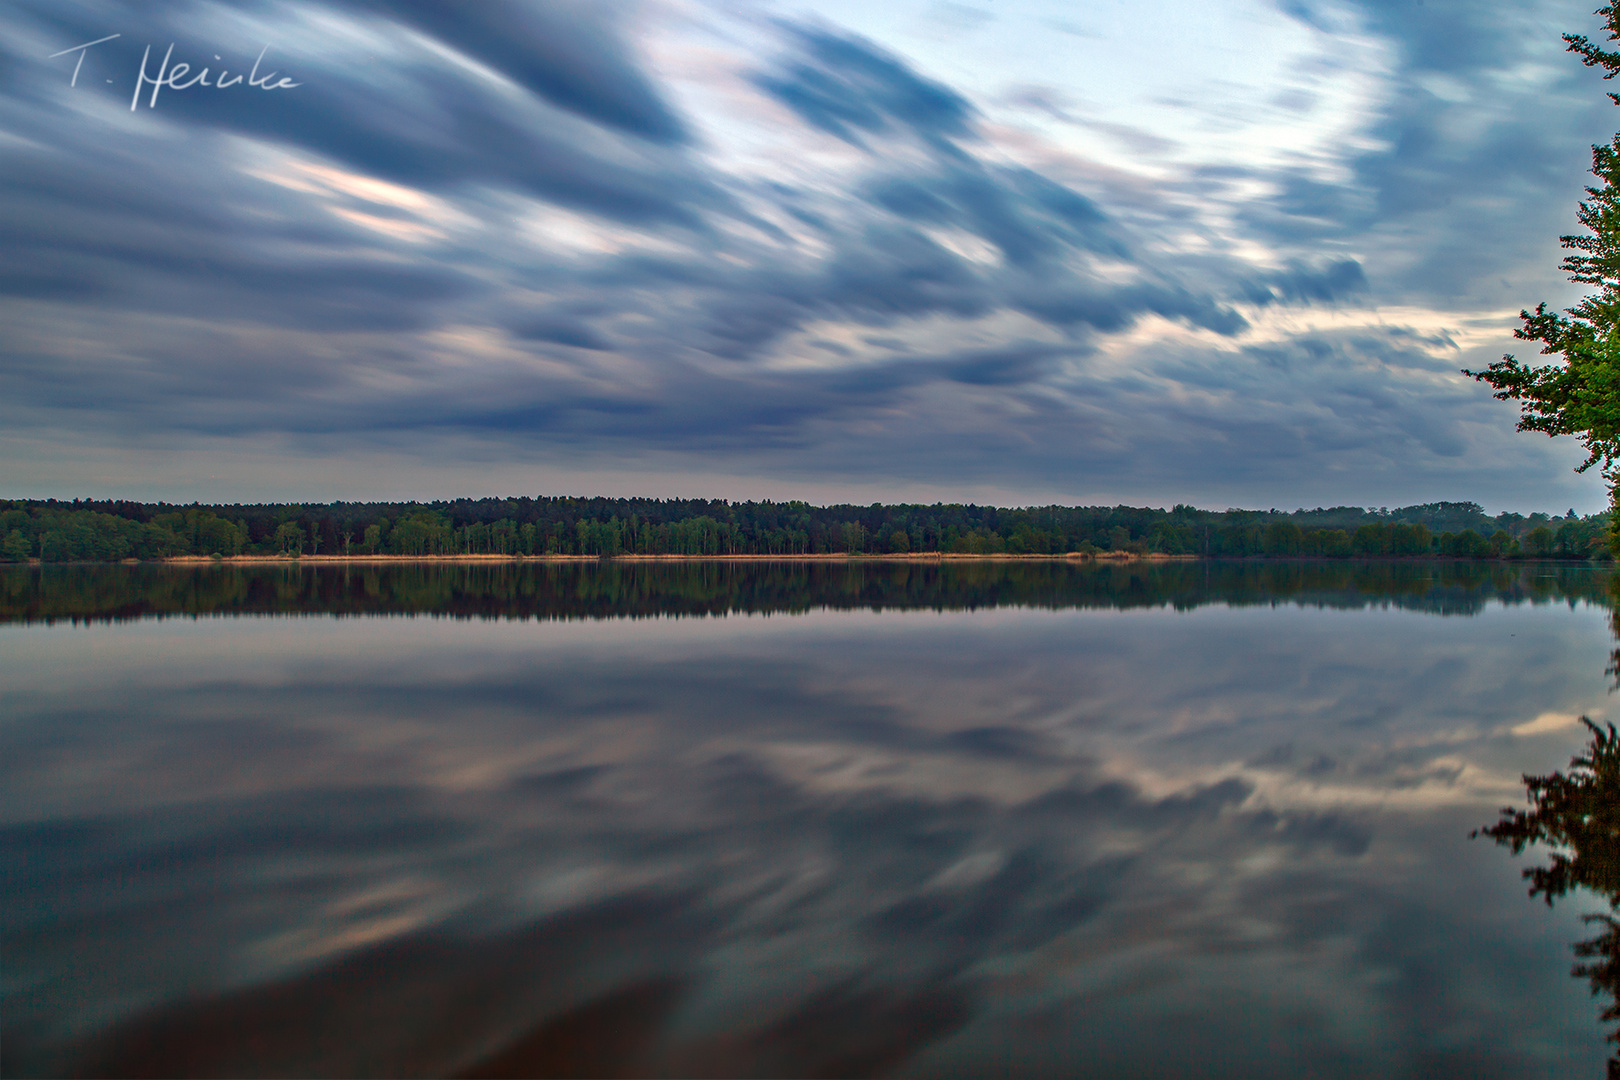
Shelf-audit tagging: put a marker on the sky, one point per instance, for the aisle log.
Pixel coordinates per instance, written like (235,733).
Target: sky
(1020,252)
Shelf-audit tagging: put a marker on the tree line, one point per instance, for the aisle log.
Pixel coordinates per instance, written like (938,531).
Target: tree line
(103,531)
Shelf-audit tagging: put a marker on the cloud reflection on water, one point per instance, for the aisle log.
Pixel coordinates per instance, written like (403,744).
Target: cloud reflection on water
(839,843)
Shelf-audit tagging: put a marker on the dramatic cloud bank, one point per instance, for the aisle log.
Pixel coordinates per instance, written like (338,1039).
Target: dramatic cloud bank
(1233,254)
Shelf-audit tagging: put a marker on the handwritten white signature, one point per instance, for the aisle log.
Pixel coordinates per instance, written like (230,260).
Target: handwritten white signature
(171,77)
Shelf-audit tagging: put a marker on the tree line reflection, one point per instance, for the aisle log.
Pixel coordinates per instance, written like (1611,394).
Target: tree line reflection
(593,590)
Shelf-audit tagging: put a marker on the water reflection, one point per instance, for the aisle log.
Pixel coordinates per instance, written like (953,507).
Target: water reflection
(1576,815)
(574,590)
(1037,820)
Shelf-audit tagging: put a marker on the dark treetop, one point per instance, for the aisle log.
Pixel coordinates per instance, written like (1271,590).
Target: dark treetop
(100,531)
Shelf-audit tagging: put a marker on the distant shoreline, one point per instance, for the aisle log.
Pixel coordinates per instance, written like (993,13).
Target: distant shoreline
(834,557)
(928,557)
(714,530)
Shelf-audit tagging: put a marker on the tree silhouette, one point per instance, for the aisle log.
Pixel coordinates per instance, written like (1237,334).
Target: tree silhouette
(1577,815)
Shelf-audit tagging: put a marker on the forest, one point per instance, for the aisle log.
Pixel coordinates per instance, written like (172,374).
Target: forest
(107,531)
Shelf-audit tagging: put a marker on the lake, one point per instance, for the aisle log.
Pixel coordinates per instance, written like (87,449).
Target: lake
(1194,819)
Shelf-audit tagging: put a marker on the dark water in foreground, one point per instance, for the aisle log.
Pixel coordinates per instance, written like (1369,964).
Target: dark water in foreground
(1015,819)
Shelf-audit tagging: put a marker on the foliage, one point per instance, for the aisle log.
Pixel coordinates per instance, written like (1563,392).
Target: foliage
(1581,395)
(83,531)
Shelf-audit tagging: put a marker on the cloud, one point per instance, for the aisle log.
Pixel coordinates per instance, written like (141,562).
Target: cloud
(1481,116)
(1303,284)
(1546,723)
(843,86)
(568,53)
(572,332)
(518,225)
(1029,218)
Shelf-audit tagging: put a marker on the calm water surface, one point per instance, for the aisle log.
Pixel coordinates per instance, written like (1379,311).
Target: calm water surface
(1029,819)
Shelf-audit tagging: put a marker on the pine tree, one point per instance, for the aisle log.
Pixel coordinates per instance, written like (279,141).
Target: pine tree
(1581,396)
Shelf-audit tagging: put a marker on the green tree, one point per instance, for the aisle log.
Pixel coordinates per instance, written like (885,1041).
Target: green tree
(1282,538)
(1580,396)
(290,537)
(16,548)
(1371,540)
